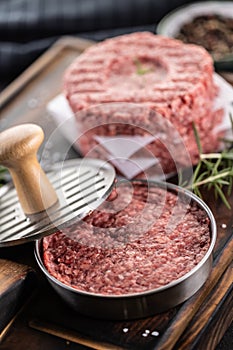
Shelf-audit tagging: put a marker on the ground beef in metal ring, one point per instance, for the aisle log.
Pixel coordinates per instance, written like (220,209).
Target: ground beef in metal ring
(111,253)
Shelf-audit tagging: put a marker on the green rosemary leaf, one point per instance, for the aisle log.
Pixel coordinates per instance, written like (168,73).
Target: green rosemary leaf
(223,182)
(197,192)
(208,164)
(197,138)
(231,120)
(196,172)
(222,196)
(202,177)
(229,189)
(217,165)
(214,171)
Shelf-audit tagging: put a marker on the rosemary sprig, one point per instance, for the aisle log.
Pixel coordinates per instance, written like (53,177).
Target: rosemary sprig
(213,171)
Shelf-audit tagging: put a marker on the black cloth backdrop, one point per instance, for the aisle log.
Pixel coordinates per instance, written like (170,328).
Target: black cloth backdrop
(29,27)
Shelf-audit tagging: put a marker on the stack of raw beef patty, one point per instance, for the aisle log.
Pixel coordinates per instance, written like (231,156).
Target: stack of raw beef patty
(162,76)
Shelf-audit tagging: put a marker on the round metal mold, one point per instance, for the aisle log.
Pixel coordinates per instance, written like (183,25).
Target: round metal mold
(138,305)
(81,185)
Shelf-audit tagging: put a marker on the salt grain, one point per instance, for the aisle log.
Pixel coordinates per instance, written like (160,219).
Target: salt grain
(155,333)
(125,330)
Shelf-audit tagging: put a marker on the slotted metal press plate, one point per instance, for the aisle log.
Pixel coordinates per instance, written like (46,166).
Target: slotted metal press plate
(81,185)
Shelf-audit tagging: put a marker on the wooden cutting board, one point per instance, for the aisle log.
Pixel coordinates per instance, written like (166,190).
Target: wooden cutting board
(17,282)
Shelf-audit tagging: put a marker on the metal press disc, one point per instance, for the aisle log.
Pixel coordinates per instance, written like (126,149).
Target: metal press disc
(81,186)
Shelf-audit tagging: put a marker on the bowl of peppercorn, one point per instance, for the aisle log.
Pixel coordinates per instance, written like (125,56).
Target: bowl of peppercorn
(208,24)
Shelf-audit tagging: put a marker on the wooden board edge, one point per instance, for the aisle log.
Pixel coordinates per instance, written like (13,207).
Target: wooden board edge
(190,308)
(219,313)
(73,336)
(4,332)
(39,64)
(18,282)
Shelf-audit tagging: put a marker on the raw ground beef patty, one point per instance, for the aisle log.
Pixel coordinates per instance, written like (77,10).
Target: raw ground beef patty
(172,78)
(131,243)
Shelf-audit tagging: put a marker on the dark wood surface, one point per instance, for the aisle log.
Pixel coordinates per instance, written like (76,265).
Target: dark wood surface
(17,281)
(199,323)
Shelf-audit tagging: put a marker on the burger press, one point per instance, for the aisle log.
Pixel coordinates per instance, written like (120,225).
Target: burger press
(38,203)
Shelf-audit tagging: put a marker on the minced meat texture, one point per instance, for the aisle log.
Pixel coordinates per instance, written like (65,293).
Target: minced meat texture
(172,78)
(130,244)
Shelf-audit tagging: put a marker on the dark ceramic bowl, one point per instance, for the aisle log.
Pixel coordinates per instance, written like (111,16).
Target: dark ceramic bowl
(170,24)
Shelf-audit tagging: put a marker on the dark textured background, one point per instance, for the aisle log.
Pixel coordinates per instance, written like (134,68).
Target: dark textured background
(29,27)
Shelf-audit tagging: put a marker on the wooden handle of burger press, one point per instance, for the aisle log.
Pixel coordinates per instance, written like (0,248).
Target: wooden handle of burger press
(18,152)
